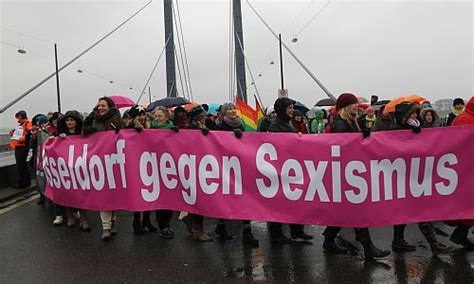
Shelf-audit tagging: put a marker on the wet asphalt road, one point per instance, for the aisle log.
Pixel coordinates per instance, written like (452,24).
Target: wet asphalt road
(32,250)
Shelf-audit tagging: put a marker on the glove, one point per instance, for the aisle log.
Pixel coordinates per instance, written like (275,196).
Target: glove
(416,129)
(139,129)
(175,129)
(237,133)
(117,130)
(366,133)
(204,131)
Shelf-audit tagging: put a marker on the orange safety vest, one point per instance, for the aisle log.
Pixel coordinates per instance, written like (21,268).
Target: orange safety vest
(21,142)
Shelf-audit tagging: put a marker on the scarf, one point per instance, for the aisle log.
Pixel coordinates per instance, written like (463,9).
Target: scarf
(156,125)
(457,112)
(232,122)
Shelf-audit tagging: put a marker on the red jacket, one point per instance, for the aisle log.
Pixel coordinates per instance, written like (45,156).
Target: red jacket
(467,117)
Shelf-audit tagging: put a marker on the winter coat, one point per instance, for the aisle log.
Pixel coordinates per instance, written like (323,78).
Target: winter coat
(452,116)
(383,123)
(95,122)
(283,121)
(62,128)
(223,126)
(467,117)
(264,125)
(434,123)
(317,124)
(341,125)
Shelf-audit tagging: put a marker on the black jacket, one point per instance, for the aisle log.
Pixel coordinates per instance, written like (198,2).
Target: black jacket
(342,126)
(451,118)
(264,125)
(283,121)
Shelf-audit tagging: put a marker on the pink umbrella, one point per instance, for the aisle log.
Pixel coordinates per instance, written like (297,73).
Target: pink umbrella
(122,101)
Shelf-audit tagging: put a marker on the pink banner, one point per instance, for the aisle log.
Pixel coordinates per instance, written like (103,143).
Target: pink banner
(330,179)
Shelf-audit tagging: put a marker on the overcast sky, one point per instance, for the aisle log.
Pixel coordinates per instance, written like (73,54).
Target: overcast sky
(390,48)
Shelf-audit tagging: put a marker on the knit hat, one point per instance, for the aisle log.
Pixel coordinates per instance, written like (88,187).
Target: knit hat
(21,113)
(41,119)
(136,110)
(226,106)
(458,101)
(370,111)
(269,110)
(344,100)
(179,109)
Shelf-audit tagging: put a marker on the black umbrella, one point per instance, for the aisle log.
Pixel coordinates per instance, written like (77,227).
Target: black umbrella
(168,102)
(326,102)
(301,108)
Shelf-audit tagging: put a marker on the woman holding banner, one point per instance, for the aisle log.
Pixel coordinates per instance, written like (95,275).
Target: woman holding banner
(231,122)
(406,116)
(138,119)
(346,121)
(195,222)
(71,124)
(104,117)
(284,108)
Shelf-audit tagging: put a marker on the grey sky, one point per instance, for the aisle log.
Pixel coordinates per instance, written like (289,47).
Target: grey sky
(391,48)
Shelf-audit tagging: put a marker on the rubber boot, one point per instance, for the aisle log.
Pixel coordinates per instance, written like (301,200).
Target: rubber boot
(370,250)
(248,238)
(399,244)
(436,247)
(146,223)
(137,226)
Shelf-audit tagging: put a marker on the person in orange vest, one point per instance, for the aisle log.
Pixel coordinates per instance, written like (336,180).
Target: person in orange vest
(19,141)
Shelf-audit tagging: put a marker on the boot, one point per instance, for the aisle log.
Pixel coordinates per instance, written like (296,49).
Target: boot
(83,225)
(402,246)
(222,233)
(106,235)
(436,247)
(399,244)
(331,246)
(370,250)
(188,221)
(300,234)
(137,226)
(146,223)
(199,235)
(248,238)
(113,231)
(459,236)
(70,217)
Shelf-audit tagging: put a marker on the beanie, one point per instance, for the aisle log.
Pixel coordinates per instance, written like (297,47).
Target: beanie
(458,101)
(345,100)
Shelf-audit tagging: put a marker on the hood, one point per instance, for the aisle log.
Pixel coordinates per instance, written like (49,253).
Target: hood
(280,108)
(429,109)
(470,106)
(403,111)
(62,128)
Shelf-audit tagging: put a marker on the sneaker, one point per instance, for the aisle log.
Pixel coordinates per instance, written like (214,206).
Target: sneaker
(106,235)
(301,235)
(199,235)
(166,233)
(58,221)
(440,248)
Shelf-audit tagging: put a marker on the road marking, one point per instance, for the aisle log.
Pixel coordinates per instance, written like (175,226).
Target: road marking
(18,204)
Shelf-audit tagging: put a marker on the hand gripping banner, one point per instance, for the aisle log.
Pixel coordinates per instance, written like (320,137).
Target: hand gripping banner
(394,177)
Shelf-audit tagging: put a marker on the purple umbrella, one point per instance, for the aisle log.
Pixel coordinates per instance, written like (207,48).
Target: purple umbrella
(122,101)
